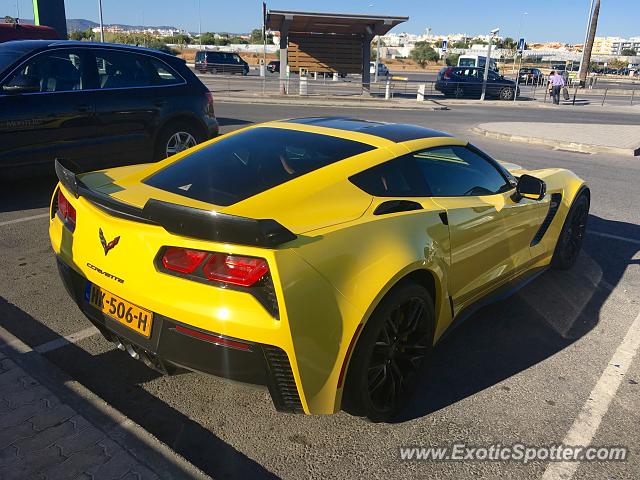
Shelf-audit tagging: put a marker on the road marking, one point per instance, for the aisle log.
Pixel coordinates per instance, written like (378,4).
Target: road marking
(23,219)
(615,237)
(66,340)
(586,424)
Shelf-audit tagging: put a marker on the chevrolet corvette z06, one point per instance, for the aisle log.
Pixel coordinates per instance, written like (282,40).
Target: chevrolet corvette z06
(321,257)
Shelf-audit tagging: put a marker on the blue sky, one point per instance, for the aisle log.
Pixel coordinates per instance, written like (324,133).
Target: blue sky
(562,20)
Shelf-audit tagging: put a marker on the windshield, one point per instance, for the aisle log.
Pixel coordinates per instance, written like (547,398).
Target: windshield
(467,62)
(8,57)
(250,162)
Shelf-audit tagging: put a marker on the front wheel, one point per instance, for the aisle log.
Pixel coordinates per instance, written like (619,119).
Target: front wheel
(391,354)
(572,234)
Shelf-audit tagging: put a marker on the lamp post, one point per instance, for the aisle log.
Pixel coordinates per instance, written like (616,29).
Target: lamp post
(494,32)
(515,93)
(199,26)
(101,22)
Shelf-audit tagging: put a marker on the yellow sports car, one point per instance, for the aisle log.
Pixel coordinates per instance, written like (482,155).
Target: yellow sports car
(322,257)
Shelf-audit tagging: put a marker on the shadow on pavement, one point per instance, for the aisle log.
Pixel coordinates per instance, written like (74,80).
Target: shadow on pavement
(116,379)
(512,335)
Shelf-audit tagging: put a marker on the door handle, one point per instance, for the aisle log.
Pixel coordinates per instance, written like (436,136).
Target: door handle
(84,108)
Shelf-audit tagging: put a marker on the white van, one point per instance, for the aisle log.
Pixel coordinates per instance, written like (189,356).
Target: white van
(476,61)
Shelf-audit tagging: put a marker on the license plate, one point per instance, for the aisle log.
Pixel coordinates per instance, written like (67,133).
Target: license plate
(126,313)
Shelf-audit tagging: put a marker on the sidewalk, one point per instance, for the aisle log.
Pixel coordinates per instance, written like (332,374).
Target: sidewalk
(578,137)
(53,428)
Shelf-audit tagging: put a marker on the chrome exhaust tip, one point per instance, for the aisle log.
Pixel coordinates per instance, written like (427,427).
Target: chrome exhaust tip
(132,352)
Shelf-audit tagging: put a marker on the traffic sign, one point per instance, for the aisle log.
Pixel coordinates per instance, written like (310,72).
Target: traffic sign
(521,45)
(445,44)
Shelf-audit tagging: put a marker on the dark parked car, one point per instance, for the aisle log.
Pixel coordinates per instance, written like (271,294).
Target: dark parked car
(531,76)
(220,62)
(273,66)
(467,82)
(97,105)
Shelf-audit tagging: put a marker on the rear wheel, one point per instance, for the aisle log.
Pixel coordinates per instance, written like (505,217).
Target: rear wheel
(175,138)
(392,351)
(506,94)
(458,92)
(572,234)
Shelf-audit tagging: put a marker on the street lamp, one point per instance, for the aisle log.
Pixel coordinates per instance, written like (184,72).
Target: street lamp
(101,22)
(493,33)
(515,93)
(199,25)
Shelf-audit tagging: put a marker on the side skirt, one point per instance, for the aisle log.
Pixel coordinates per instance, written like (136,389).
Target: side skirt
(501,293)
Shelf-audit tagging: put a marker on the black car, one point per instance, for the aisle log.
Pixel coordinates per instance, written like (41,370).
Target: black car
(96,105)
(220,62)
(273,66)
(533,76)
(467,82)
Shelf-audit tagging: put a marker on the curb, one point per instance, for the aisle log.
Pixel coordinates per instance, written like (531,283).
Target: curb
(135,440)
(557,145)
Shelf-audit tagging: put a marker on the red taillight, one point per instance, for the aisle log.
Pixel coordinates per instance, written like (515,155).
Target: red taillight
(210,337)
(65,211)
(447,74)
(182,260)
(235,270)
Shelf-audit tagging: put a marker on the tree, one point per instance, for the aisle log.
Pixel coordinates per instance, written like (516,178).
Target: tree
(629,52)
(180,39)
(588,48)
(459,44)
(617,63)
(81,35)
(423,53)
(207,38)
(452,59)
(508,43)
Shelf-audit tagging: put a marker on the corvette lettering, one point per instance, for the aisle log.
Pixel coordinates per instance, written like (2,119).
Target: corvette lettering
(106,274)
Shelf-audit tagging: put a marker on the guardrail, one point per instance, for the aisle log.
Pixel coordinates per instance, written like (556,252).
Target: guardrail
(403,87)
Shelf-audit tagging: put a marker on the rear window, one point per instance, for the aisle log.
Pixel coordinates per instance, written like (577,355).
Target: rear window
(250,162)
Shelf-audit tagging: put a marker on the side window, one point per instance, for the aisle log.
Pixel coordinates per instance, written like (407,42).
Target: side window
(457,171)
(396,178)
(493,75)
(122,70)
(162,73)
(54,71)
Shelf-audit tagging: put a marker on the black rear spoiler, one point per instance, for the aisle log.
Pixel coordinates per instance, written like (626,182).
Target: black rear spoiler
(181,220)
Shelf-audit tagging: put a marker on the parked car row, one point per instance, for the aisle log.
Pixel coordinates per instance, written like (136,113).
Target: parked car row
(96,105)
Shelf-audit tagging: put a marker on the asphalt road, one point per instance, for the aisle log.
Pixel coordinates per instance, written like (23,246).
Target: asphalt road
(521,370)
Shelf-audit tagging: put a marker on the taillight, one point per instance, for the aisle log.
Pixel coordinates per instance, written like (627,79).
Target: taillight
(182,260)
(235,270)
(65,210)
(209,97)
(447,74)
(216,267)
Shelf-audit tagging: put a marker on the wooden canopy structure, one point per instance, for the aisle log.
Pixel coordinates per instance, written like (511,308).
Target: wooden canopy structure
(327,42)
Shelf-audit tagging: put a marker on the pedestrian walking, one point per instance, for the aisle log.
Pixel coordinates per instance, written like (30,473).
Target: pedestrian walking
(556,81)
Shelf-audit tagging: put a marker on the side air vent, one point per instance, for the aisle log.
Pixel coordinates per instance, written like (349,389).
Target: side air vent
(554,204)
(282,385)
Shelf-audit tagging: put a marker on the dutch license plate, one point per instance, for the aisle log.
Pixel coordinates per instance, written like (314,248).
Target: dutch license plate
(130,315)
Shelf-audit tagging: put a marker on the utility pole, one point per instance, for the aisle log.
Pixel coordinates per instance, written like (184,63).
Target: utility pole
(588,44)
(101,22)
(494,32)
(199,25)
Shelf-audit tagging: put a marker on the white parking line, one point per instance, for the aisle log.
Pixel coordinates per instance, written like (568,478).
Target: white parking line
(66,340)
(586,425)
(23,219)
(615,237)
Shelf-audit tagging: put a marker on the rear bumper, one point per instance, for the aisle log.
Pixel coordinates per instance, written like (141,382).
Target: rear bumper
(198,350)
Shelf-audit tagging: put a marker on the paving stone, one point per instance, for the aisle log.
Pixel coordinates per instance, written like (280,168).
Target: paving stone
(82,440)
(17,432)
(25,396)
(53,416)
(77,463)
(45,438)
(116,467)
(10,377)
(30,465)
(8,455)
(23,413)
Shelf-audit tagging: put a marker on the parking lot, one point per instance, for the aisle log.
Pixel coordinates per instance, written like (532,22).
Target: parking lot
(525,370)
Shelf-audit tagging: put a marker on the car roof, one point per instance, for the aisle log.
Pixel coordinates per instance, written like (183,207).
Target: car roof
(395,132)
(30,45)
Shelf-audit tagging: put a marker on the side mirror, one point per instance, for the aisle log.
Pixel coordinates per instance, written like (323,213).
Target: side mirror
(531,187)
(22,84)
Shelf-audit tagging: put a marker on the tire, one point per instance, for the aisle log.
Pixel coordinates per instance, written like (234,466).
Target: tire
(572,234)
(167,139)
(458,92)
(507,93)
(375,370)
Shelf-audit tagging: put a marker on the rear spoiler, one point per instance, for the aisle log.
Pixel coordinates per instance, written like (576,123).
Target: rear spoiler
(181,220)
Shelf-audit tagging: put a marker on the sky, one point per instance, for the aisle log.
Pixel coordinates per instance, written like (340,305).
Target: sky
(545,20)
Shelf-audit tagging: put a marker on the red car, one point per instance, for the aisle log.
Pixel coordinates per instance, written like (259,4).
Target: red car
(17,31)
